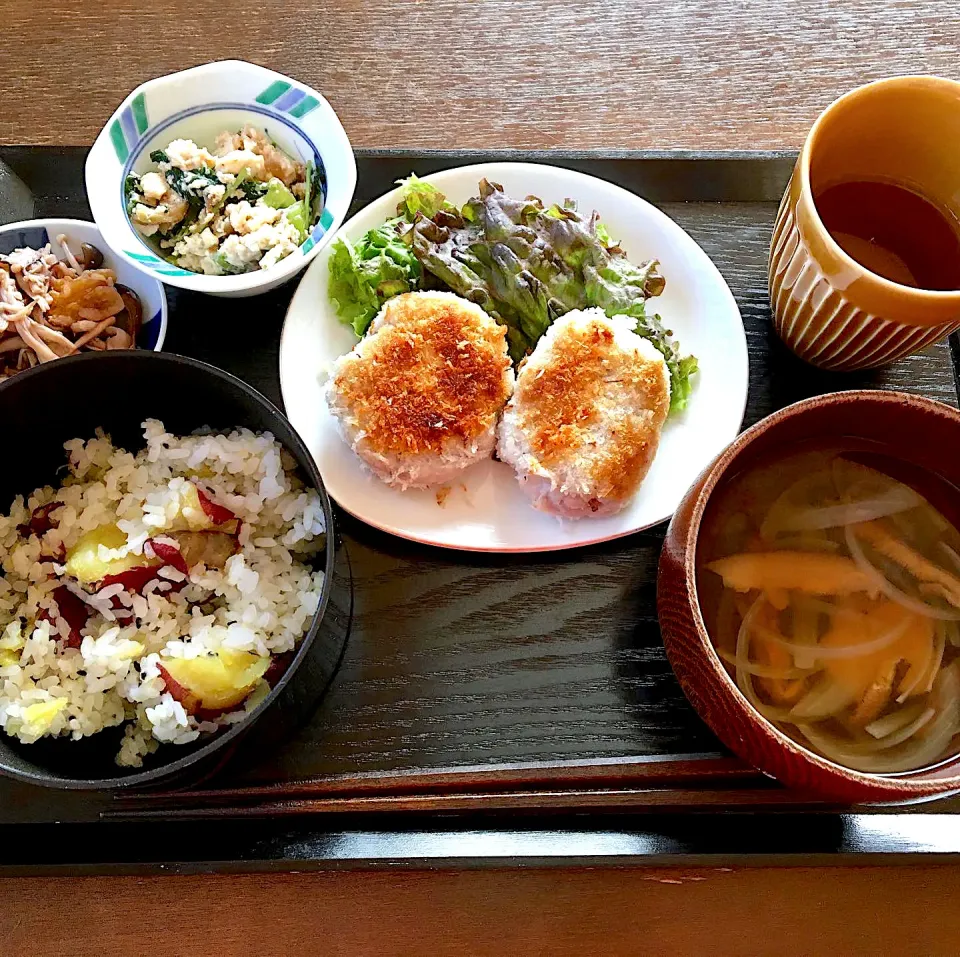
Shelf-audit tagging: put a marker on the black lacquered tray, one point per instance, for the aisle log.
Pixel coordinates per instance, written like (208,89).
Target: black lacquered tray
(472,683)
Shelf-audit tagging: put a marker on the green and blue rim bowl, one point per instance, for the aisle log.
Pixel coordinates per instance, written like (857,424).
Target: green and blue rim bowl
(198,104)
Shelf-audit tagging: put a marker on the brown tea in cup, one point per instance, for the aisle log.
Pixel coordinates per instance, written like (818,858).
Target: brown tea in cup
(894,232)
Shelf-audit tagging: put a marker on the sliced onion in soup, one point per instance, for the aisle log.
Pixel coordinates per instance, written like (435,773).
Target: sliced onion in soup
(924,681)
(897,720)
(889,589)
(758,670)
(814,489)
(952,555)
(899,499)
(744,679)
(826,699)
(927,744)
(843,651)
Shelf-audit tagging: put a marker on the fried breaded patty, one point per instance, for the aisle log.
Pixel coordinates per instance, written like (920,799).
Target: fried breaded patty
(584,422)
(419,397)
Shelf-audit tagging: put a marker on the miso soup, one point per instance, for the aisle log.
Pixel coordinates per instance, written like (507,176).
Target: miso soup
(831,591)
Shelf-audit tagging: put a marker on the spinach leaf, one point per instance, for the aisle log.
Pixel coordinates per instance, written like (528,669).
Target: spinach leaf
(229,268)
(130,186)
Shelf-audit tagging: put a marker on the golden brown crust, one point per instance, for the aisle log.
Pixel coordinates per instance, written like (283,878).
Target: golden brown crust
(564,402)
(433,372)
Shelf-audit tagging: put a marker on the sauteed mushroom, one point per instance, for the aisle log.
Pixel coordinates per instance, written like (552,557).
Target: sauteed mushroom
(131,319)
(90,257)
(56,303)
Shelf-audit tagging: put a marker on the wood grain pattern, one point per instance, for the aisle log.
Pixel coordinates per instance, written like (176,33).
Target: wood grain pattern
(470,660)
(776,911)
(597,773)
(525,74)
(542,802)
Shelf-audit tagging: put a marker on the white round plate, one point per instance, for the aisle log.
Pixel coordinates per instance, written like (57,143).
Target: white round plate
(485,510)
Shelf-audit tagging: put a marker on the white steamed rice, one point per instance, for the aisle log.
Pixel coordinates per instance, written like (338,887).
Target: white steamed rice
(262,601)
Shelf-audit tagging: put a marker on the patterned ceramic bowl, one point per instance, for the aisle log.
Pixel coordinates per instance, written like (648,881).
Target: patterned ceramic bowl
(39,232)
(198,104)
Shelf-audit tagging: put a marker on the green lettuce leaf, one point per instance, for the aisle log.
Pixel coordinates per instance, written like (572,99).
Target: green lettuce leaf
(364,275)
(420,197)
(382,264)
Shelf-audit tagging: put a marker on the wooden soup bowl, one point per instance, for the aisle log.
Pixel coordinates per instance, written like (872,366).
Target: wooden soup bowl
(916,431)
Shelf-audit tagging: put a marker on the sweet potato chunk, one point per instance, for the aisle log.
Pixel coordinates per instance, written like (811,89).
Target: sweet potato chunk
(214,682)
(84,562)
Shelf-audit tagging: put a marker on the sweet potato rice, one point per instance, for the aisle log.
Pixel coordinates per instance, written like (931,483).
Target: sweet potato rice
(161,590)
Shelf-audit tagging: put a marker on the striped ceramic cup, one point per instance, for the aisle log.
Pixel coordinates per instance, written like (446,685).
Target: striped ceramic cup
(828,307)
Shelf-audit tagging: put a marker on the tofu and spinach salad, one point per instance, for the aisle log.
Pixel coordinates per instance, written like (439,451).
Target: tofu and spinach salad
(244,206)
(523,262)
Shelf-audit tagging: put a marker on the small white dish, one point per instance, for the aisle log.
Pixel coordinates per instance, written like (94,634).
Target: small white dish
(38,232)
(485,510)
(198,104)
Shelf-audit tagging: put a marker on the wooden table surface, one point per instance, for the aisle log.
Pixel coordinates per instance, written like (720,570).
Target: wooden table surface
(547,913)
(527,74)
